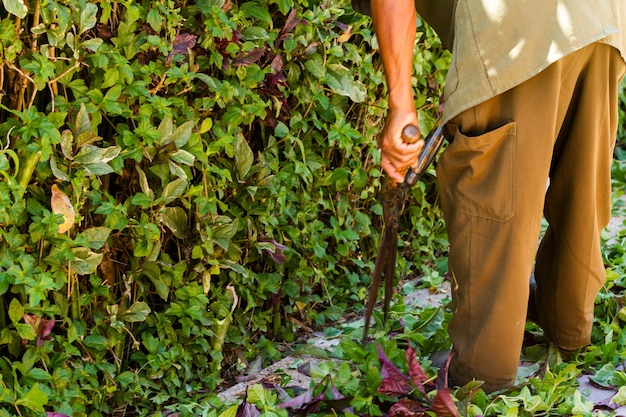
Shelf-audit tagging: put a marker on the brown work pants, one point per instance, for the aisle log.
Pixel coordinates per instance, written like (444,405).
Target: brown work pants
(558,127)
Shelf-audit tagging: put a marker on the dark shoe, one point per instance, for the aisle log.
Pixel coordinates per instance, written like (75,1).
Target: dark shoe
(441,360)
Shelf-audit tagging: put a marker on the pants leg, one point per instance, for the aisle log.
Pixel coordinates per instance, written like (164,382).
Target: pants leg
(493,180)
(569,267)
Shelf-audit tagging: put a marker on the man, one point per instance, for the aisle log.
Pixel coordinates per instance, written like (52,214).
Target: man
(531,113)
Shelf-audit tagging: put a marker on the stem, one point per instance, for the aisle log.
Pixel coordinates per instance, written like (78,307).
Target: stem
(36,14)
(73,293)
(3,314)
(27,168)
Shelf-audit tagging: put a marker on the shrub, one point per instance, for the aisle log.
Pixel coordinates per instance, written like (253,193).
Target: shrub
(184,184)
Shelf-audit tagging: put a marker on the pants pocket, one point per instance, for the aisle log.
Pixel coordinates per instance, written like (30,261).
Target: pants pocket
(477,174)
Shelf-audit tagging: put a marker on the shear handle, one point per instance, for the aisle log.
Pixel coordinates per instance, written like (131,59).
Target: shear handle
(432,143)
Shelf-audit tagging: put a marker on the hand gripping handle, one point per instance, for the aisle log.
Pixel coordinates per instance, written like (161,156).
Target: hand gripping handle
(432,143)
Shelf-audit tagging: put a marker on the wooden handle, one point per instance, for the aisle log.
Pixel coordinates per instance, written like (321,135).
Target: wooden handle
(410,134)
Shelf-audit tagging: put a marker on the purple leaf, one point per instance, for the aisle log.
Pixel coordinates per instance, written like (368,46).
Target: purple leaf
(183,42)
(42,327)
(417,374)
(277,254)
(247,410)
(249,57)
(407,408)
(306,400)
(336,394)
(394,383)
(442,375)
(443,404)
(277,63)
(299,401)
(290,24)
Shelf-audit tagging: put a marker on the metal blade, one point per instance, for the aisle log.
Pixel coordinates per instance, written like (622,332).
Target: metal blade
(394,198)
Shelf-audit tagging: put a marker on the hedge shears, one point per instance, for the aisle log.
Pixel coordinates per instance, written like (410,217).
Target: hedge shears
(394,196)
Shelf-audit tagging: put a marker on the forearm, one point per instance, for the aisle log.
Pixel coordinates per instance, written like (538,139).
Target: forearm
(394,23)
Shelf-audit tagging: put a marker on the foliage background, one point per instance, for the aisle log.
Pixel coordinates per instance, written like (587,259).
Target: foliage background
(214,163)
(184,185)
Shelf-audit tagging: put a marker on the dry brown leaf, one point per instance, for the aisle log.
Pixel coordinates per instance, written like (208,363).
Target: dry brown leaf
(61,204)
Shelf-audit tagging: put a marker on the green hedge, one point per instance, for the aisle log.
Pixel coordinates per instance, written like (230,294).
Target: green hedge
(185,184)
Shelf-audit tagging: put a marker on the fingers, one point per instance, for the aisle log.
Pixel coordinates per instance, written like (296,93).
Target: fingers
(396,155)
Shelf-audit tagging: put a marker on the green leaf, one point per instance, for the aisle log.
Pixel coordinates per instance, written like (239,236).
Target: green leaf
(93,44)
(16,311)
(315,66)
(111,77)
(222,234)
(97,342)
(56,171)
(39,374)
(144,184)
(34,399)
(97,236)
(182,134)
(175,218)
(230,411)
(153,272)
(173,190)
(582,406)
(88,17)
(25,331)
(154,19)
(90,154)
(137,312)
(16,7)
(281,130)
(620,397)
(67,143)
(98,168)
(243,157)
(141,200)
(344,84)
(182,157)
(83,123)
(283,5)
(255,10)
(85,262)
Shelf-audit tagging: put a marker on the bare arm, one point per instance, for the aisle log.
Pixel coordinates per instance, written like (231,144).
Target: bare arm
(394,23)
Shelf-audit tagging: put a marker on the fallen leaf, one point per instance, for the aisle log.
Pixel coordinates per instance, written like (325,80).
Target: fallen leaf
(61,204)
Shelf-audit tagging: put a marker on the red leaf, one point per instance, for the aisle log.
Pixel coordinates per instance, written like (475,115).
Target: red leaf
(246,409)
(443,404)
(42,327)
(417,374)
(277,254)
(277,64)
(183,42)
(442,375)
(249,57)
(306,400)
(290,24)
(407,408)
(394,382)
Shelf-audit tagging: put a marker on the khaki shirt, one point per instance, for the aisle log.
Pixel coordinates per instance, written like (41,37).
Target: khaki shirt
(499,44)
